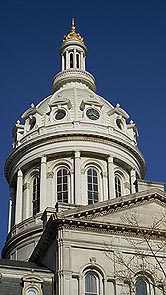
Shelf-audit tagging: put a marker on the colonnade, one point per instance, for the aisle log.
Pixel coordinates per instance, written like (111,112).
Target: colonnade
(16,195)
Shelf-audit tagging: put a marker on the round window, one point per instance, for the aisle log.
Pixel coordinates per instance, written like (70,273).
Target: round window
(60,114)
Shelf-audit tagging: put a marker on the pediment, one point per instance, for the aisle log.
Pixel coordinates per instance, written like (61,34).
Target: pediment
(146,209)
(148,214)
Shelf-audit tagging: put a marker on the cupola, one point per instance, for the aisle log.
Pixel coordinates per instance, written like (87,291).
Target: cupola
(73,54)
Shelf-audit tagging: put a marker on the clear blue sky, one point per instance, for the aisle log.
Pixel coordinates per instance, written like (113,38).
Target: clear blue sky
(126,42)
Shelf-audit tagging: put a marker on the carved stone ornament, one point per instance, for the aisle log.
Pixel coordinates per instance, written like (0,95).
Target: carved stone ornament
(50,174)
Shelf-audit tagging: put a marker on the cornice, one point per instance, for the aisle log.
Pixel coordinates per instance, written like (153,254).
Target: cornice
(72,222)
(117,204)
(23,149)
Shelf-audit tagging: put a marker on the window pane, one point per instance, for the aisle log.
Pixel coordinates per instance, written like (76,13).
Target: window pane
(59,172)
(64,179)
(95,197)
(89,179)
(65,187)
(95,187)
(59,180)
(59,187)
(90,172)
(60,197)
(95,179)
(89,187)
(64,172)
(94,172)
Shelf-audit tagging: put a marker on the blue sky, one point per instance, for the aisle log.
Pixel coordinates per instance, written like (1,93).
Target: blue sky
(126,42)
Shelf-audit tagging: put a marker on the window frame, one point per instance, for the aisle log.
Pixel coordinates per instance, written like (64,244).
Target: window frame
(93,184)
(63,184)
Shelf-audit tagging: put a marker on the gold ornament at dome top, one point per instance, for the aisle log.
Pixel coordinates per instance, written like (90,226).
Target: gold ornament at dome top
(73,34)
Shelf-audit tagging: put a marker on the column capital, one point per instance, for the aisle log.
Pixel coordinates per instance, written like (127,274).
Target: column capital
(19,173)
(44,159)
(77,154)
(110,159)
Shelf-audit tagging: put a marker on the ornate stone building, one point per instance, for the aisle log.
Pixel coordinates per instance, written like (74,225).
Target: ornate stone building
(82,219)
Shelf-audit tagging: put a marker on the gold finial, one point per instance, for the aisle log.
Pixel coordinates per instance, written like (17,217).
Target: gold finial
(73,34)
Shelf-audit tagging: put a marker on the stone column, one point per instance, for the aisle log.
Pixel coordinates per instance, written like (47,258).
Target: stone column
(74,59)
(63,63)
(43,171)
(105,186)
(18,216)
(71,198)
(28,200)
(77,176)
(67,60)
(133,179)
(111,178)
(50,193)
(82,62)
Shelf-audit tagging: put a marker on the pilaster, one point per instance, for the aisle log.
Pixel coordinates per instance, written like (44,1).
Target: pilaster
(18,216)
(133,179)
(111,178)
(77,175)
(43,183)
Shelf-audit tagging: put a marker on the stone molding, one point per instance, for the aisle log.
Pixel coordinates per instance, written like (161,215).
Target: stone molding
(22,150)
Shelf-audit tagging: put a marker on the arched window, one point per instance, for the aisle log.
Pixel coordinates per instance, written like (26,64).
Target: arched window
(77,60)
(93,190)
(91,284)
(36,195)
(141,286)
(62,185)
(71,60)
(118,188)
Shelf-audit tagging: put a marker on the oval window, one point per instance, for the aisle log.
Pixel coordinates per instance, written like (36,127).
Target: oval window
(60,114)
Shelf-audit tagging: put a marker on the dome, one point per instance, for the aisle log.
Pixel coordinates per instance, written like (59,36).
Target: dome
(74,148)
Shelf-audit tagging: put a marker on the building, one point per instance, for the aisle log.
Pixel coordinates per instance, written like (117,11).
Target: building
(82,219)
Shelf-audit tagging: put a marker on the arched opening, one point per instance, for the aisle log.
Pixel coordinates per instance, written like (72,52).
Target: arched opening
(77,61)
(71,60)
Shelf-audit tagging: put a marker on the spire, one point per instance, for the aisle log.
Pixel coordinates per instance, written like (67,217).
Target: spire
(73,34)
